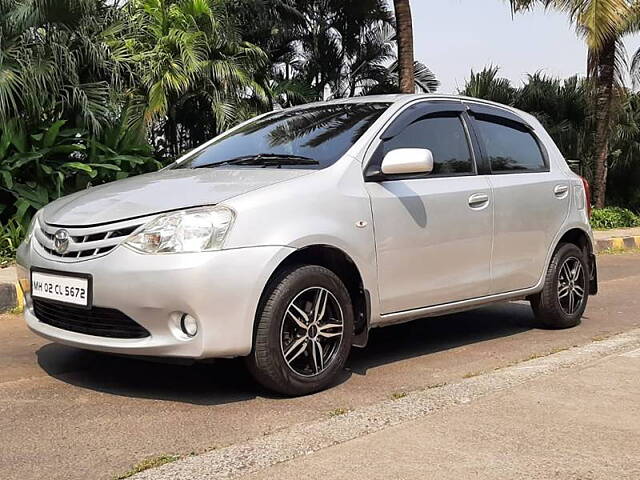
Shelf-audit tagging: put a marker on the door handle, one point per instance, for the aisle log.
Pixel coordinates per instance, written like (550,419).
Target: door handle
(478,200)
(560,190)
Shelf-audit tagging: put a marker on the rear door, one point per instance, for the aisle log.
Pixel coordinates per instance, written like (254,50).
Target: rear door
(531,199)
(433,232)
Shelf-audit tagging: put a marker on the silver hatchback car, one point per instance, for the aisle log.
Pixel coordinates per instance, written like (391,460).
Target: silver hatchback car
(286,239)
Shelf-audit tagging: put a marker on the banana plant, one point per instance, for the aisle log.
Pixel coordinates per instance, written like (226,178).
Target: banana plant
(38,167)
(121,150)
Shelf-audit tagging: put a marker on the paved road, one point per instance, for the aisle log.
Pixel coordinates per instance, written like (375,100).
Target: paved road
(66,413)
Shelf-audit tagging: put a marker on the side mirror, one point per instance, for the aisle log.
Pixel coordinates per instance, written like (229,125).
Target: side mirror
(407,161)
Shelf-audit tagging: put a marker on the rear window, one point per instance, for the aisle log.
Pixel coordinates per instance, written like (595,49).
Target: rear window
(445,137)
(511,149)
(311,138)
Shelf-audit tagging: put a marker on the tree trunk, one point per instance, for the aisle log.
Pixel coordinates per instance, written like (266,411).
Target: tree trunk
(603,72)
(172,133)
(404,34)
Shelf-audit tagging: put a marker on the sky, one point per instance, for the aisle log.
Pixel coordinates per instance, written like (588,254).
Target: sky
(454,36)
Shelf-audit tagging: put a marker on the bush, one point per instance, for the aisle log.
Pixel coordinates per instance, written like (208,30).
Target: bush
(39,165)
(614,217)
(11,234)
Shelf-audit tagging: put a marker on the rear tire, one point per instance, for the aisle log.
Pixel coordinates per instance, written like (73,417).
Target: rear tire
(563,299)
(304,331)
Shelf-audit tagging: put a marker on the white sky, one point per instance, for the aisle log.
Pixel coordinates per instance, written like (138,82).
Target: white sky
(453,36)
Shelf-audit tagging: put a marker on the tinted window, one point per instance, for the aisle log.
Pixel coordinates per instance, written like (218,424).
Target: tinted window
(320,134)
(510,149)
(444,136)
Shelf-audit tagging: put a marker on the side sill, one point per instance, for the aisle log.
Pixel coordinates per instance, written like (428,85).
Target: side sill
(453,307)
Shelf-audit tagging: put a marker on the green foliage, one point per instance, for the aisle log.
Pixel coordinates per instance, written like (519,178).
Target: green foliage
(614,217)
(56,61)
(186,52)
(34,167)
(487,85)
(11,234)
(39,167)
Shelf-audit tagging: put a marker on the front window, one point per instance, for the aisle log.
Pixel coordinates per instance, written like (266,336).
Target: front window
(312,138)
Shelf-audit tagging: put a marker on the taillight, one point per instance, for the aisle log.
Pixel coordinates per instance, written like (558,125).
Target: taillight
(587,193)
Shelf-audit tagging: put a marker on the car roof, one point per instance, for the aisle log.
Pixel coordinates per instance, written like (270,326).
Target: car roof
(401,98)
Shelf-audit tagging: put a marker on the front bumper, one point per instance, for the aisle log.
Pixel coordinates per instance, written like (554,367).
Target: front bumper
(220,289)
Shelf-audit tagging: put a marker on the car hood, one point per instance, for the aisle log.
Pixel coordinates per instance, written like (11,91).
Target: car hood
(160,192)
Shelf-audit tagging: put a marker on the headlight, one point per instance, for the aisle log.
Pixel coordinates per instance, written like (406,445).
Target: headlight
(194,230)
(32,227)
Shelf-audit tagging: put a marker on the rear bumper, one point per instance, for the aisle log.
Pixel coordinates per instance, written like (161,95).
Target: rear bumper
(220,289)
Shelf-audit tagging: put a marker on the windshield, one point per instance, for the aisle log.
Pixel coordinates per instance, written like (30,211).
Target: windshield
(312,138)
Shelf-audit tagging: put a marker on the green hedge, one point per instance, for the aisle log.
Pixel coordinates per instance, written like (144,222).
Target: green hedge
(614,217)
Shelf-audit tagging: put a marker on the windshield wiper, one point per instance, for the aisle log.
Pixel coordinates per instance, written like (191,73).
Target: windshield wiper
(265,160)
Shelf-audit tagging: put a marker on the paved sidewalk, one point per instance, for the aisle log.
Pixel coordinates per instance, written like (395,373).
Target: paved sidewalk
(572,415)
(617,239)
(8,274)
(578,424)
(616,232)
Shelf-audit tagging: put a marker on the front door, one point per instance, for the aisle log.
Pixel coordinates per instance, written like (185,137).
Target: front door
(433,232)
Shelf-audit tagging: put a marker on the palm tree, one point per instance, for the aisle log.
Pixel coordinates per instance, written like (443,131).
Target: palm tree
(486,84)
(55,61)
(192,65)
(404,34)
(602,24)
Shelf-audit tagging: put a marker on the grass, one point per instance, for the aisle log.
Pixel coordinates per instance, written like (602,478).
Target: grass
(533,356)
(338,411)
(436,385)
(601,338)
(153,462)
(398,395)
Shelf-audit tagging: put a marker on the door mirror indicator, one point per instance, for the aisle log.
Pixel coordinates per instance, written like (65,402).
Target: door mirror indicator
(407,161)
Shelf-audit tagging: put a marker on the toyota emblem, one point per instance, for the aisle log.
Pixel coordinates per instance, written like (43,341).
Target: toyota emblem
(61,241)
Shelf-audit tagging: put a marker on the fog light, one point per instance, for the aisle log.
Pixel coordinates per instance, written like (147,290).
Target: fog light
(189,325)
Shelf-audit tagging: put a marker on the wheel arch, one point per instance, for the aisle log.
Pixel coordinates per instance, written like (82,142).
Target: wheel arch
(340,263)
(582,239)
(578,237)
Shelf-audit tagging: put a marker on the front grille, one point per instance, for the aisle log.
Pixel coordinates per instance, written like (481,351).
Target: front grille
(101,322)
(85,242)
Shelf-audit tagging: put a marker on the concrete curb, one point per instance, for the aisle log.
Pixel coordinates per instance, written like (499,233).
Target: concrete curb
(11,298)
(618,243)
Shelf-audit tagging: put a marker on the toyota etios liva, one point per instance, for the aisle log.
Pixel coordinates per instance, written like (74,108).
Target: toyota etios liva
(286,239)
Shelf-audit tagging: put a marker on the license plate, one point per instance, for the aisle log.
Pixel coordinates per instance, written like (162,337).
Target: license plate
(60,287)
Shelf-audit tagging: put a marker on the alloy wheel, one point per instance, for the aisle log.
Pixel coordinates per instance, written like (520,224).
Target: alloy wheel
(312,331)
(571,285)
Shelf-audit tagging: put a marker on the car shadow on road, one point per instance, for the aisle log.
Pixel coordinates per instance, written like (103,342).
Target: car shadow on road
(227,381)
(431,335)
(224,381)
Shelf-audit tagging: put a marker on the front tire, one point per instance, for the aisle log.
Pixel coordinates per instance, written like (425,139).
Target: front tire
(566,289)
(304,331)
